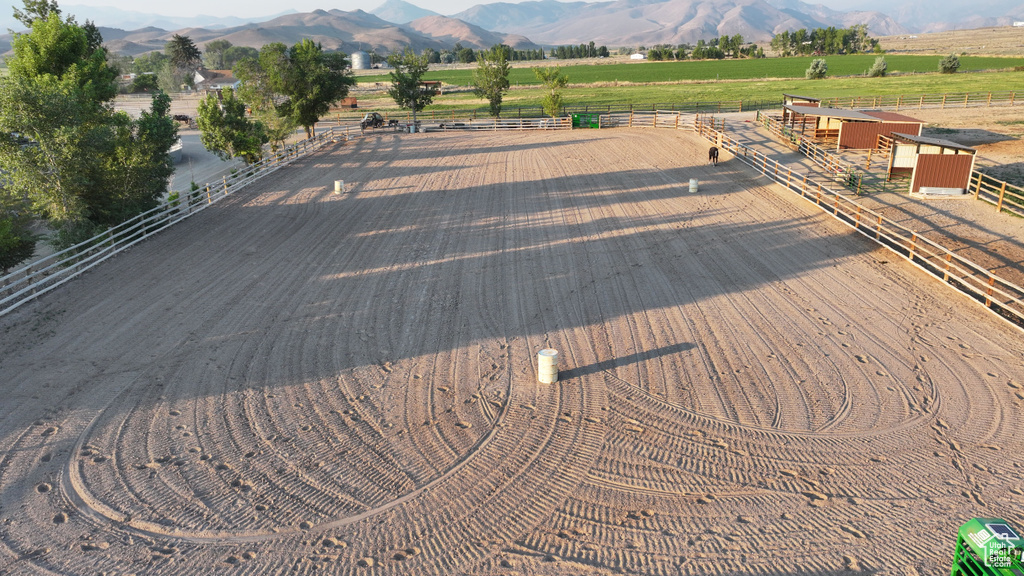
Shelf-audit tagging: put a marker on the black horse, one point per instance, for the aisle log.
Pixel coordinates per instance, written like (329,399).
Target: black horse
(713,155)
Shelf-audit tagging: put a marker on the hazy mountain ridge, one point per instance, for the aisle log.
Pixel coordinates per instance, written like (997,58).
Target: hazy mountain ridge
(631,22)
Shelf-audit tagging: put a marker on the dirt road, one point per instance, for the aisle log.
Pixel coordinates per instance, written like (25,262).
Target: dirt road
(298,382)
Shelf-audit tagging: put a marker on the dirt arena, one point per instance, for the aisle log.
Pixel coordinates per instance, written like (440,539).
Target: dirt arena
(298,382)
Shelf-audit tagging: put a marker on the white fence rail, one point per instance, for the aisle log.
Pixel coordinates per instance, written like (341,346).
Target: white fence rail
(514,124)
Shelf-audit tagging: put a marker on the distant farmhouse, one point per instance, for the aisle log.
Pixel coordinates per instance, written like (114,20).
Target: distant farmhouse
(215,80)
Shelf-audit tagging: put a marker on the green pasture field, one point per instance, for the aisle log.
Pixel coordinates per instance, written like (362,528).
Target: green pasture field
(621,97)
(745,69)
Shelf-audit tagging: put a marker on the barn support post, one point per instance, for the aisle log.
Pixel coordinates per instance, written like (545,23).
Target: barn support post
(1002,193)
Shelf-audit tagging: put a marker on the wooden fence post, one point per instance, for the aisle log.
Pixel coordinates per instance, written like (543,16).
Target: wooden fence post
(977,189)
(949,259)
(1002,193)
(225,185)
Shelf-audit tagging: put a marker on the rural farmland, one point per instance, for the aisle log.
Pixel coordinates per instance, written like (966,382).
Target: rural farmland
(301,382)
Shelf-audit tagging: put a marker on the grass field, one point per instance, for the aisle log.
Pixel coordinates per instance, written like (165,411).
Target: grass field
(600,94)
(644,72)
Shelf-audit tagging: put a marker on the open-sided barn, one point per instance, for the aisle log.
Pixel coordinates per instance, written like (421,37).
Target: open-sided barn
(849,129)
(935,165)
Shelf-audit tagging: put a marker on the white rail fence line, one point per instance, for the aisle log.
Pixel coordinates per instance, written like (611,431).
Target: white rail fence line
(46,274)
(998,295)
(516,124)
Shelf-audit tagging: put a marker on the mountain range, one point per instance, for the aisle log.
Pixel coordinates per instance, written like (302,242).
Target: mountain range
(397,23)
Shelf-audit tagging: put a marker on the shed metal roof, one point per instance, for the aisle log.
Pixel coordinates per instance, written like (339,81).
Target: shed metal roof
(934,142)
(830,112)
(892,117)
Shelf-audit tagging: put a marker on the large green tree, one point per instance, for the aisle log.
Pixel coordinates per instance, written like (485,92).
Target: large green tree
(300,83)
(553,80)
(407,88)
(315,80)
(184,58)
(213,54)
(62,148)
(490,79)
(226,131)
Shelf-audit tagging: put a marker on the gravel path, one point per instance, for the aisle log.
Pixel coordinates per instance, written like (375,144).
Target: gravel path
(298,382)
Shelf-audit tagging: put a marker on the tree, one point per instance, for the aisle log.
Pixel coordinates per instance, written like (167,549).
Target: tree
(300,83)
(36,9)
(17,242)
(950,64)
(145,83)
(315,80)
(235,54)
(151,62)
(407,87)
(214,54)
(63,151)
(553,80)
(184,59)
(490,78)
(817,70)
(138,167)
(879,68)
(225,130)
(61,48)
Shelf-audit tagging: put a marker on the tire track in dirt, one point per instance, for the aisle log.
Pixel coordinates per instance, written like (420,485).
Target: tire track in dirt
(714,415)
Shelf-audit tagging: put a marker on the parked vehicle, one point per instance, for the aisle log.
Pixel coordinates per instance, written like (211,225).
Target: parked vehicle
(372,120)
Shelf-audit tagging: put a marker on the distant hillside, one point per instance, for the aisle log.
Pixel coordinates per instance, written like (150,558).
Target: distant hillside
(449,31)
(400,12)
(334,29)
(632,22)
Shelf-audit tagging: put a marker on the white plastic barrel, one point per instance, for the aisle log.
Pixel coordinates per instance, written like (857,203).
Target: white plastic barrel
(339,186)
(547,366)
(693,185)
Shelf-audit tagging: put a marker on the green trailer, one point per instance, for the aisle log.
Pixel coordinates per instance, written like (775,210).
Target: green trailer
(586,120)
(988,547)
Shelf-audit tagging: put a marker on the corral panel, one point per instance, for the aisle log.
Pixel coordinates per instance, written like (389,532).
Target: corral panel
(942,171)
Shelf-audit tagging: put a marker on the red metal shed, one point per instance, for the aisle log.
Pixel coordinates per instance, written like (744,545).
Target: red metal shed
(935,166)
(850,129)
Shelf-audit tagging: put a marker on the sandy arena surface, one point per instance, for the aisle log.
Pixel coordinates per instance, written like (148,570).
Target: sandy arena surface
(298,382)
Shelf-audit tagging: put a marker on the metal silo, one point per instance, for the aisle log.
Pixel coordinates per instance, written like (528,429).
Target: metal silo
(360,60)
